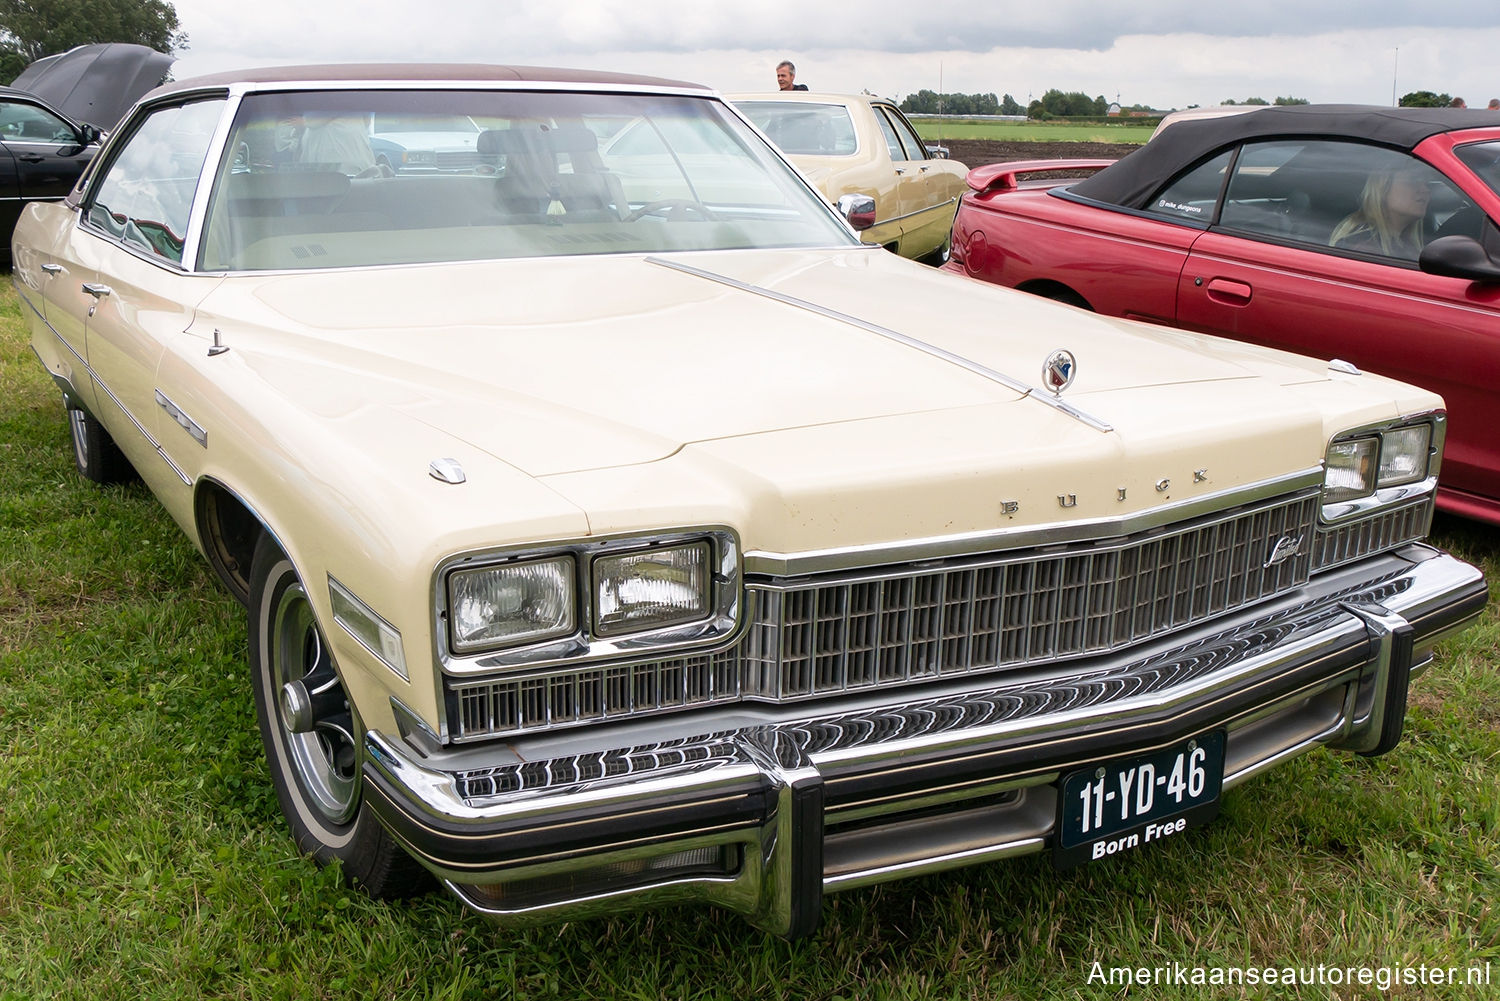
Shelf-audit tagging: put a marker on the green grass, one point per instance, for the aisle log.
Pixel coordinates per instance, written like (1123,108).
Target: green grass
(973,128)
(144,856)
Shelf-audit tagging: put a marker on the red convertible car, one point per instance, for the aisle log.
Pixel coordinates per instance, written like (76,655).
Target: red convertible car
(1362,234)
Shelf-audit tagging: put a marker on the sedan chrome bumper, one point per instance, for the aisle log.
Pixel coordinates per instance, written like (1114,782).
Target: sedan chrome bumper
(763,809)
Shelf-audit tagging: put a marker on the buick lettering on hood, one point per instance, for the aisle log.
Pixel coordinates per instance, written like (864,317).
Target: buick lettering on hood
(614,528)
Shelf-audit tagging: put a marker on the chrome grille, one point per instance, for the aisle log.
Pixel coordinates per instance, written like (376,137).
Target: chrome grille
(898,625)
(818,638)
(1356,540)
(456,159)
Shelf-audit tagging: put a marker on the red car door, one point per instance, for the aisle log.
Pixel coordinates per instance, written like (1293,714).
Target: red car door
(1270,274)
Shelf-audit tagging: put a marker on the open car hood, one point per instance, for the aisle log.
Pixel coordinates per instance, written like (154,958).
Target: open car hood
(95,84)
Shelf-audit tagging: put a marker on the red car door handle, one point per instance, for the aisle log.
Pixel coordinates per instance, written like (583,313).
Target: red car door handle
(1230,293)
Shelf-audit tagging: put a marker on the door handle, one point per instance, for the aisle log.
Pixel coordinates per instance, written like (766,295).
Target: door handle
(30,158)
(98,292)
(924,168)
(53,269)
(1229,292)
(900,170)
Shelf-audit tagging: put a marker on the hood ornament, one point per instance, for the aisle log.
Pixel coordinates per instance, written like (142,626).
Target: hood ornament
(447,470)
(1059,371)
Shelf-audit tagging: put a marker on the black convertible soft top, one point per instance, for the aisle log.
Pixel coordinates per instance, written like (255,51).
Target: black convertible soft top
(1134,179)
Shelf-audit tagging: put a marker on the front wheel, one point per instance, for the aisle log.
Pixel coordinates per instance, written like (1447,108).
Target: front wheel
(312,735)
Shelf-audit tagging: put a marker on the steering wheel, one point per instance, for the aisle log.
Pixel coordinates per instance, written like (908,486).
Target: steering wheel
(673,209)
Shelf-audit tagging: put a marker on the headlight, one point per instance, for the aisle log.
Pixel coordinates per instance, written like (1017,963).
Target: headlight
(1378,466)
(512,603)
(1403,455)
(651,589)
(591,599)
(1351,469)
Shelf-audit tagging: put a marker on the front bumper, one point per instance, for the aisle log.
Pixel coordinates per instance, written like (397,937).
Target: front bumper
(762,809)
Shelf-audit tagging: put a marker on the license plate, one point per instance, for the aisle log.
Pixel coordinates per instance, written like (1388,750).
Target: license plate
(1119,805)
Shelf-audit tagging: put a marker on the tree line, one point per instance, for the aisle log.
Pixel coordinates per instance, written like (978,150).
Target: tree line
(31,29)
(1053,104)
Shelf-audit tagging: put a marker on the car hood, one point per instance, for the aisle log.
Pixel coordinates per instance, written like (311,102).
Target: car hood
(95,84)
(559,366)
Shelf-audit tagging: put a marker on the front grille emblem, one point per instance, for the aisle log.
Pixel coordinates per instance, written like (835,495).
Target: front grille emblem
(1059,370)
(1286,547)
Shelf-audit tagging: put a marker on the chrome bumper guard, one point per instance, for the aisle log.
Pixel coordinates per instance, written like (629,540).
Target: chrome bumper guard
(762,809)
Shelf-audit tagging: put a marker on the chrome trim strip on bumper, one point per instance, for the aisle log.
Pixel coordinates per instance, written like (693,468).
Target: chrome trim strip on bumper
(968,364)
(807,804)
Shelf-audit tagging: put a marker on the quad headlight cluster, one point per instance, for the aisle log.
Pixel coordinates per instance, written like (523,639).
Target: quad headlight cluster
(1379,466)
(593,595)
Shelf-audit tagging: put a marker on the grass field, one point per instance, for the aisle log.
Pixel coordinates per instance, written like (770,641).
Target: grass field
(975,128)
(144,856)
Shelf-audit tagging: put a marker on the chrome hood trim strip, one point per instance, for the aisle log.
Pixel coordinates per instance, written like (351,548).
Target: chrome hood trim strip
(968,364)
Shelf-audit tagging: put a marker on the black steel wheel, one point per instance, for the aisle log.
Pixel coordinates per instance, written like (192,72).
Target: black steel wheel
(312,735)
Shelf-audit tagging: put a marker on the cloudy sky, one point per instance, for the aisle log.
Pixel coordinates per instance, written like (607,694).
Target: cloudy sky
(1164,53)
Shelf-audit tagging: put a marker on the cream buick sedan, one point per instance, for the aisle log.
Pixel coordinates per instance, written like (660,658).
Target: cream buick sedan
(600,552)
(853,144)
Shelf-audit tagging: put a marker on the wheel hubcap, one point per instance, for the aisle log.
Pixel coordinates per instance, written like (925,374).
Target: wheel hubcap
(77,425)
(311,709)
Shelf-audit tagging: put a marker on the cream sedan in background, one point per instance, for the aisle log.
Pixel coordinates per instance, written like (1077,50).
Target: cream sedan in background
(602,550)
(856,144)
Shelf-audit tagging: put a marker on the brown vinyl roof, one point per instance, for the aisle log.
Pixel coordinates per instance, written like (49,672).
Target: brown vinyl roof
(336,73)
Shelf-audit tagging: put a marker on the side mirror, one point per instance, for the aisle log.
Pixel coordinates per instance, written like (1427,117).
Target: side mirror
(1459,257)
(858,209)
(937,152)
(91,135)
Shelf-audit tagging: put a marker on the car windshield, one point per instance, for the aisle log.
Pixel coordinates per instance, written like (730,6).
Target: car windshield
(307,182)
(802,129)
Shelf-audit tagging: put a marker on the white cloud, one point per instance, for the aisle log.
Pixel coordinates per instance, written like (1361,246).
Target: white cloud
(1167,53)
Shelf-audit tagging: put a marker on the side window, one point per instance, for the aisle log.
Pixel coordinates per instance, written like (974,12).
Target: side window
(892,143)
(1341,195)
(1194,194)
(145,194)
(915,148)
(20,122)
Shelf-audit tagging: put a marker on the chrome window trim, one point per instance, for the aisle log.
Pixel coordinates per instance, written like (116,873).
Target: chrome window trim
(722,626)
(1387,498)
(203,194)
(109,155)
(776,564)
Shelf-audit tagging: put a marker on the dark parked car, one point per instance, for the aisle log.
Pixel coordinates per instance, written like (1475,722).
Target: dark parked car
(51,122)
(1357,233)
(42,154)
